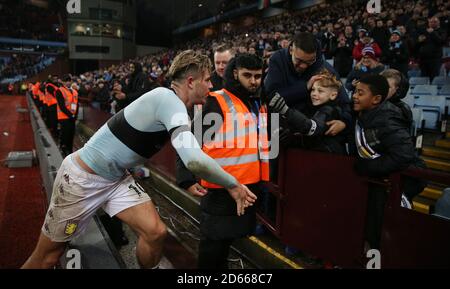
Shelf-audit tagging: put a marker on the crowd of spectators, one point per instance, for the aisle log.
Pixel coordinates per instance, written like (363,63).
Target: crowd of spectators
(407,35)
(23,65)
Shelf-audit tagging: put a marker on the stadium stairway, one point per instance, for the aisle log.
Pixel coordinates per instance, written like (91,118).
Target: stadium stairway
(436,155)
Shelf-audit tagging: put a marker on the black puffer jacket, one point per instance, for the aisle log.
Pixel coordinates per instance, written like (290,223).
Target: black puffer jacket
(312,127)
(396,99)
(406,113)
(385,133)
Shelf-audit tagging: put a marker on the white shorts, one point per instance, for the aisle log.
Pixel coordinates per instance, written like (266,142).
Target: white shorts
(78,194)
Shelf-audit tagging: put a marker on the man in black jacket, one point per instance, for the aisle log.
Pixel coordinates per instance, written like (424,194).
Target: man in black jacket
(429,47)
(222,55)
(343,60)
(291,74)
(138,83)
(396,55)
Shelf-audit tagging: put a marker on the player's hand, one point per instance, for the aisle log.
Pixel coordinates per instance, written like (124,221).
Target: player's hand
(243,197)
(197,190)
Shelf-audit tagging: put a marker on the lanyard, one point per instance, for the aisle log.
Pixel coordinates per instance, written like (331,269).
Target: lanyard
(256,114)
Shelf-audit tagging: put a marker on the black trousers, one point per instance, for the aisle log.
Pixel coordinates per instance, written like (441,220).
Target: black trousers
(213,254)
(376,203)
(66,135)
(220,226)
(52,120)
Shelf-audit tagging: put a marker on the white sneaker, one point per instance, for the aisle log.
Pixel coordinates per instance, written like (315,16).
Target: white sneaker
(405,202)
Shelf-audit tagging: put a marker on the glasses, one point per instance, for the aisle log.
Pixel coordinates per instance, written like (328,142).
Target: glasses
(299,61)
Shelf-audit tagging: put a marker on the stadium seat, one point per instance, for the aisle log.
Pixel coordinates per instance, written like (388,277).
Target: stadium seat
(409,100)
(414,73)
(446,52)
(433,107)
(413,81)
(417,127)
(440,81)
(445,90)
(424,90)
(417,114)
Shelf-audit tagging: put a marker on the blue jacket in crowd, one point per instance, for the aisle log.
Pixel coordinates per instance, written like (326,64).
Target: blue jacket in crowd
(284,79)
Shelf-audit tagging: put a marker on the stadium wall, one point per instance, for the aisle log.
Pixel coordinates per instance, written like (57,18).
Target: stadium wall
(142,50)
(60,67)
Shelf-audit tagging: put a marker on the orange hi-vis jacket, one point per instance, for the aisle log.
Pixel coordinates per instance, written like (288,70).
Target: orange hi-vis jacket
(50,99)
(34,90)
(41,96)
(70,100)
(244,152)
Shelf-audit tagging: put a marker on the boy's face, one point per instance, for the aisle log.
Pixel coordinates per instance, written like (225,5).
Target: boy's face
(367,61)
(321,95)
(363,99)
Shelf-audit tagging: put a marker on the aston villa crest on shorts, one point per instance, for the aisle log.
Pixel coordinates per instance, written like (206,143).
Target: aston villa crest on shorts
(71,227)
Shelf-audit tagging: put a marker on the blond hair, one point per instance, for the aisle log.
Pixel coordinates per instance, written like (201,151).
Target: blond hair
(393,74)
(329,80)
(189,62)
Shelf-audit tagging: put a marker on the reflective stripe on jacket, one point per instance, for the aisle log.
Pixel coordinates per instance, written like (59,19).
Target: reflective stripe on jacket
(71,102)
(242,152)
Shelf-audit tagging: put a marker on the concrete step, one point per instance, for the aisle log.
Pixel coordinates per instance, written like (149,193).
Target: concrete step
(437,164)
(258,252)
(423,205)
(436,152)
(431,193)
(443,143)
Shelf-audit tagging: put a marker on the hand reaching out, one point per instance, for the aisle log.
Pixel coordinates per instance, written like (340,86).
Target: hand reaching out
(278,104)
(336,126)
(312,80)
(243,197)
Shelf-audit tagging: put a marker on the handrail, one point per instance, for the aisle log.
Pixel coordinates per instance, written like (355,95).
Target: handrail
(428,174)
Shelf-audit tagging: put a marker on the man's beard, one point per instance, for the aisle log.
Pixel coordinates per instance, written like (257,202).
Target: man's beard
(253,90)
